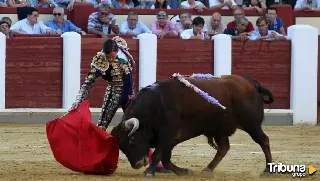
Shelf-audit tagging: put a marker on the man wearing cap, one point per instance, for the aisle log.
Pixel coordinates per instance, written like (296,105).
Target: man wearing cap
(162,26)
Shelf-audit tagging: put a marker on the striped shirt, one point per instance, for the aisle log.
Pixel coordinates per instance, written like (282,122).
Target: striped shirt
(95,23)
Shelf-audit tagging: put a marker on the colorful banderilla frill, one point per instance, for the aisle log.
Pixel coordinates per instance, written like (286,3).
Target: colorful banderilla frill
(196,89)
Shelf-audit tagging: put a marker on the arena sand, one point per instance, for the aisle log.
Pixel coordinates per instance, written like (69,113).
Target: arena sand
(26,155)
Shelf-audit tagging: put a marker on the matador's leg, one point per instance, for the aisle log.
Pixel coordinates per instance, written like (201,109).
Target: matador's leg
(127,92)
(110,105)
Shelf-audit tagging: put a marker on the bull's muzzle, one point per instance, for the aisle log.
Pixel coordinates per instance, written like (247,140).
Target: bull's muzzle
(141,163)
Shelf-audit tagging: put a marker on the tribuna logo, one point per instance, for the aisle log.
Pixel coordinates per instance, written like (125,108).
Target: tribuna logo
(295,170)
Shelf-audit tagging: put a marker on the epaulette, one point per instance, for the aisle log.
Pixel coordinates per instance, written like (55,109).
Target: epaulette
(99,62)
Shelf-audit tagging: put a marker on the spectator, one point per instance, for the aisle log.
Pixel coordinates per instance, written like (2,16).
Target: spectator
(184,22)
(66,3)
(5,29)
(263,33)
(197,31)
(133,26)
(192,4)
(31,24)
(59,25)
(222,4)
(275,23)
(103,21)
(96,3)
(239,13)
(215,25)
(7,19)
(18,3)
(160,4)
(162,26)
(3,3)
(238,33)
(258,5)
(122,4)
(43,3)
(307,5)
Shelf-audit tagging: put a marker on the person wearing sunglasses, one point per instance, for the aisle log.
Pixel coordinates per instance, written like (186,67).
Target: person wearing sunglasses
(162,26)
(60,25)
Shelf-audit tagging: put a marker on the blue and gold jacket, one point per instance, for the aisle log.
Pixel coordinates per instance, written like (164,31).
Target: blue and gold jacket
(113,72)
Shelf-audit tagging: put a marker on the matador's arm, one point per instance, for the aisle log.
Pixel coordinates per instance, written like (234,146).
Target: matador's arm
(98,65)
(87,84)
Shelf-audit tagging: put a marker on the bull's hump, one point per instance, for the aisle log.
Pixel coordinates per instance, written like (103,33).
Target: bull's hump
(153,86)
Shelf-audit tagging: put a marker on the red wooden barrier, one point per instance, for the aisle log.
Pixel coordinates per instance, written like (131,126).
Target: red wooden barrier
(34,73)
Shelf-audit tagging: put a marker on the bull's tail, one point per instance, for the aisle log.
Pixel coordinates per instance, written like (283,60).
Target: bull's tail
(263,91)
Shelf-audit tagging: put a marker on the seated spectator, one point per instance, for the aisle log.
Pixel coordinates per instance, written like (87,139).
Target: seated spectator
(258,5)
(239,13)
(67,3)
(3,3)
(5,29)
(60,25)
(192,4)
(102,22)
(121,4)
(96,3)
(184,22)
(215,25)
(162,26)
(197,31)
(222,4)
(263,33)
(31,24)
(133,26)
(307,5)
(18,3)
(160,4)
(43,3)
(275,23)
(238,33)
(7,19)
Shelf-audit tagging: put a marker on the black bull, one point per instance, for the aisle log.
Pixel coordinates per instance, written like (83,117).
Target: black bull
(167,113)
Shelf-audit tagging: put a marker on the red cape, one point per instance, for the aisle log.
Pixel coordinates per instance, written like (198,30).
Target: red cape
(80,145)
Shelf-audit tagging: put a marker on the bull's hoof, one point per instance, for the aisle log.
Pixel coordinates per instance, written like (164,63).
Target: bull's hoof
(185,171)
(265,172)
(206,172)
(162,170)
(148,175)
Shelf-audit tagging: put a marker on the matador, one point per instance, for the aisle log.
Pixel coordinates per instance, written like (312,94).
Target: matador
(114,64)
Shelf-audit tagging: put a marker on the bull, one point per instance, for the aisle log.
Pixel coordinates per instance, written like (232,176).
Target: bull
(167,113)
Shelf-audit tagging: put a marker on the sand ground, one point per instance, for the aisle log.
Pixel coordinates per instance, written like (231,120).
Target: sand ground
(25,155)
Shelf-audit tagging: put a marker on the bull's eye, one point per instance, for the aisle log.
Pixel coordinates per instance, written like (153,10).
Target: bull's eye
(131,139)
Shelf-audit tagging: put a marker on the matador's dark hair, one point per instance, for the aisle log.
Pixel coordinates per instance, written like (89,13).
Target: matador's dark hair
(110,46)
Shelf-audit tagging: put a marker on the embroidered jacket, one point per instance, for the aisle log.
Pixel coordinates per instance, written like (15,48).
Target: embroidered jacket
(112,72)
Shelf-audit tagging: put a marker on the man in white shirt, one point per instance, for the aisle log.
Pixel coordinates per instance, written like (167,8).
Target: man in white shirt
(31,24)
(133,26)
(197,31)
(263,33)
(222,4)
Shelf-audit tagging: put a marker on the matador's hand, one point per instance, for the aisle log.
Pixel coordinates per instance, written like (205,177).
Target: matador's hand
(74,106)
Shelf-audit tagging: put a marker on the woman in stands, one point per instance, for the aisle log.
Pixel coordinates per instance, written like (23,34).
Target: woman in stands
(114,64)
(160,4)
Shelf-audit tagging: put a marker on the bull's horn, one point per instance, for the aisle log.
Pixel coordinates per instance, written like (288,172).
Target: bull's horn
(132,122)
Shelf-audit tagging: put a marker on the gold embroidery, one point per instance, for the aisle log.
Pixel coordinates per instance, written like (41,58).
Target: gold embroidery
(99,61)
